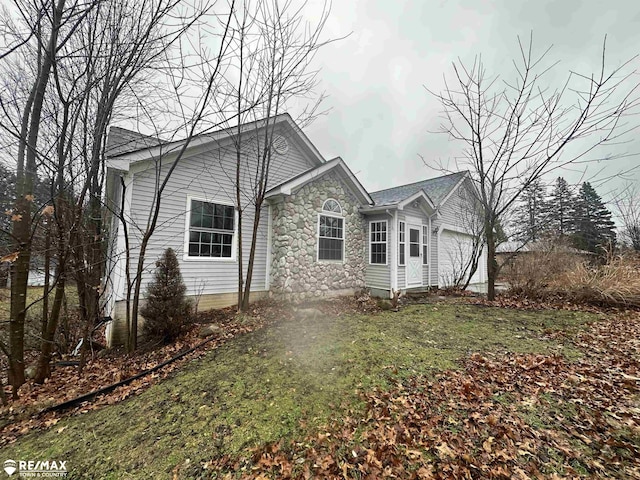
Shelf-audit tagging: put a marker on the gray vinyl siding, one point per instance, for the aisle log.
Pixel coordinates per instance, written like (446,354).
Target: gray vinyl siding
(208,175)
(450,214)
(378,276)
(402,276)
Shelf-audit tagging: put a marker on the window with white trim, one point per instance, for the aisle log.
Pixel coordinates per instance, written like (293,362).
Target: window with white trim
(378,242)
(425,246)
(331,205)
(401,243)
(211,229)
(331,232)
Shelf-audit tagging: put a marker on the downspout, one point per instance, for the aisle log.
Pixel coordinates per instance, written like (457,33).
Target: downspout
(267,280)
(118,282)
(439,251)
(429,260)
(394,251)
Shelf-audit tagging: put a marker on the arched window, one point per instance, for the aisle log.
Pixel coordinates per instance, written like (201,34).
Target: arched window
(331,232)
(331,205)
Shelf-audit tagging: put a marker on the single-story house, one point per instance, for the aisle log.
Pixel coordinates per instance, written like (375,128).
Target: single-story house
(320,233)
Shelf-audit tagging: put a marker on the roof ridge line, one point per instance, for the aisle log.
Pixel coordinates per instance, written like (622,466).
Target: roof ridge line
(419,181)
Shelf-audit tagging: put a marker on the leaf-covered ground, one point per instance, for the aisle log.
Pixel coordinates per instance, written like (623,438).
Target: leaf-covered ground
(500,416)
(435,389)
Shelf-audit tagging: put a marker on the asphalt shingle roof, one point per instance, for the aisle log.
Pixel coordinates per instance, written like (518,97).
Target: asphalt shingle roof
(120,140)
(435,188)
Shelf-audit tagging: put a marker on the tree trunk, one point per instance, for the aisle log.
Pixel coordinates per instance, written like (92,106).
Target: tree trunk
(133,333)
(252,255)
(22,224)
(49,332)
(492,269)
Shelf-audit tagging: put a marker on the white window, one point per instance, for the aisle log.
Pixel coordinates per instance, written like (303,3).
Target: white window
(331,205)
(211,230)
(378,242)
(331,232)
(401,243)
(425,246)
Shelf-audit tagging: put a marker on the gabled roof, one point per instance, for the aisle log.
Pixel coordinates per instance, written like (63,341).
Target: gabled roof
(437,189)
(150,150)
(121,141)
(287,187)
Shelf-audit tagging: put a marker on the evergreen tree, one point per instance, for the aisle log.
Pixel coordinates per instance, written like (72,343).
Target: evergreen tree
(561,209)
(594,228)
(167,309)
(530,215)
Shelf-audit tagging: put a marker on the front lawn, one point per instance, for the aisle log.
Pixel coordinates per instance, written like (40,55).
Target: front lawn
(285,382)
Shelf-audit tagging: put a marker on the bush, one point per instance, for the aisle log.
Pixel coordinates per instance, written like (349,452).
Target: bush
(560,275)
(167,310)
(530,273)
(616,283)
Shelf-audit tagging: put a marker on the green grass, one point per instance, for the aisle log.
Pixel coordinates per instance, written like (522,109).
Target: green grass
(284,381)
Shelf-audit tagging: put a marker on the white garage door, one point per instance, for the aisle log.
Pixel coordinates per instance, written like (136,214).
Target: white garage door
(455,254)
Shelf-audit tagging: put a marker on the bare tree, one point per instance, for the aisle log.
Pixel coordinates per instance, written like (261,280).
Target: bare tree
(49,27)
(470,215)
(111,54)
(516,132)
(274,50)
(194,117)
(628,205)
(89,64)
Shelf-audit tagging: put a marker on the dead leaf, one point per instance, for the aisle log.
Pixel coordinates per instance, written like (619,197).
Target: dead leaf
(444,451)
(486,445)
(10,258)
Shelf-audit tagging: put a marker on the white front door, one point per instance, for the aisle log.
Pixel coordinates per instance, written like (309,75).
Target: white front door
(414,262)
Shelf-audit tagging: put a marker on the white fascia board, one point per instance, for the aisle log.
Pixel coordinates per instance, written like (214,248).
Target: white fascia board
(416,196)
(305,140)
(120,164)
(289,187)
(375,209)
(170,151)
(455,187)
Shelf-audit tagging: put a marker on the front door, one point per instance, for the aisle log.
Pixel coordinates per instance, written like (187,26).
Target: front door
(414,264)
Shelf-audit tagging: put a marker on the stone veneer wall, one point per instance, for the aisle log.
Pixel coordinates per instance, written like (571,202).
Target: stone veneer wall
(295,270)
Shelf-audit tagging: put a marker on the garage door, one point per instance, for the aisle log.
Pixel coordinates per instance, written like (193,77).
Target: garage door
(455,254)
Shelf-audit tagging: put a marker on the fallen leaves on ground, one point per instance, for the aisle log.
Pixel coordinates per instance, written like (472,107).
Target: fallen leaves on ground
(508,416)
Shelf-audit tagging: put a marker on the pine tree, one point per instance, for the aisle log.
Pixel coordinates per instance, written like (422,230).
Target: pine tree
(561,209)
(530,215)
(594,228)
(167,309)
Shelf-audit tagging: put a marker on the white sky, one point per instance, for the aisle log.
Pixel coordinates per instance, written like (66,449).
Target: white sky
(382,116)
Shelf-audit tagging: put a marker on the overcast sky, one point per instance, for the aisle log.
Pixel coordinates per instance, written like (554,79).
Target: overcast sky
(381,116)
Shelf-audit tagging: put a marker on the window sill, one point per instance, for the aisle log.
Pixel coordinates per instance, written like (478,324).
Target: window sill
(187,258)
